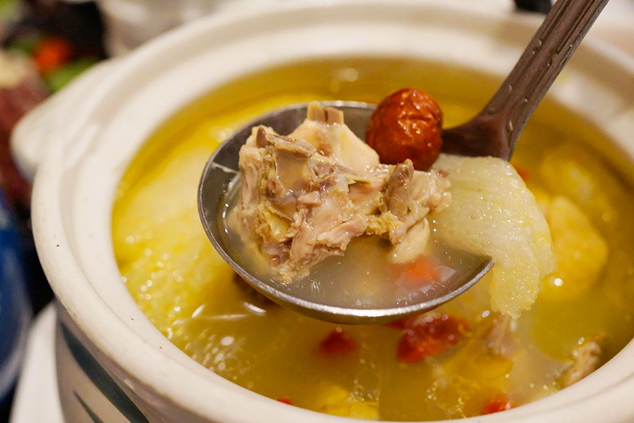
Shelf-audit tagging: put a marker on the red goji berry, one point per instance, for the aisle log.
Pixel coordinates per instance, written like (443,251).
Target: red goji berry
(496,404)
(430,336)
(337,343)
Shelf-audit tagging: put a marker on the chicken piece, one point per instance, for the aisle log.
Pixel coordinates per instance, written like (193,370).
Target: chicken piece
(365,193)
(323,228)
(398,188)
(413,245)
(268,198)
(305,196)
(586,358)
(324,128)
(410,195)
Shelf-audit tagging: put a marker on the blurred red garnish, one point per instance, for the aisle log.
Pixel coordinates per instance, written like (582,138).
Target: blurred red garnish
(430,336)
(337,343)
(496,404)
(51,54)
(285,400)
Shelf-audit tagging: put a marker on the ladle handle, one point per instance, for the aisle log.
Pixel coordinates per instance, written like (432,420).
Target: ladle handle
(556,39)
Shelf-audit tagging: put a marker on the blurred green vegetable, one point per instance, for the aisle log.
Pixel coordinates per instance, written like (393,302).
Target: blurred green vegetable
(58,79)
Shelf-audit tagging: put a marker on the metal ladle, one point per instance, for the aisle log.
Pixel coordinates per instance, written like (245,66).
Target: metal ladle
(492,132)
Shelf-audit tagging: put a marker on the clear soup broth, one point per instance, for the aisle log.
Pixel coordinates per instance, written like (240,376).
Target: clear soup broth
(483,362)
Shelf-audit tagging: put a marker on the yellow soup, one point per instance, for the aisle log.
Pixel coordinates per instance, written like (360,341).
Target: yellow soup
(460,360)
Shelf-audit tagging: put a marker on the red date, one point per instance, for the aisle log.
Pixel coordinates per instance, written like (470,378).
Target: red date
(406,125)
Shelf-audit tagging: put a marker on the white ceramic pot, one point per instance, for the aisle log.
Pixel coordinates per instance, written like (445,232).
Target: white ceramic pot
(130,23)
(111,361)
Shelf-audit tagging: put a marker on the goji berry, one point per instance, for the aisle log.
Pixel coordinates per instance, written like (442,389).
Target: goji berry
(337,342)
(406,125)
(430,336)
(496,404)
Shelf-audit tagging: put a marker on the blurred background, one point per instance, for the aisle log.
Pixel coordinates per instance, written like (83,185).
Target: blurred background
(44,45)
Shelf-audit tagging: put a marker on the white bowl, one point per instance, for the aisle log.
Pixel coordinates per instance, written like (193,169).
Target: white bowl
(111,361)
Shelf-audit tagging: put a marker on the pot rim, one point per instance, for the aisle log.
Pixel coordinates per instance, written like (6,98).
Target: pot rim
(100,324)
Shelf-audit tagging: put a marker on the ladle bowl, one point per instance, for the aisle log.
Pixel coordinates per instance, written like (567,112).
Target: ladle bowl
(221,172)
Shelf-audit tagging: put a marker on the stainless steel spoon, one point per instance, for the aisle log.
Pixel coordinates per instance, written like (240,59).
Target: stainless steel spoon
(493,132)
